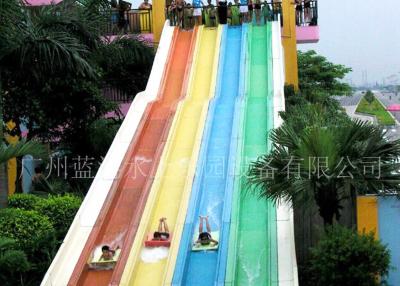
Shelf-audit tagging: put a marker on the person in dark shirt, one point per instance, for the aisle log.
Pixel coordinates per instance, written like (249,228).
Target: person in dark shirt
(205,236)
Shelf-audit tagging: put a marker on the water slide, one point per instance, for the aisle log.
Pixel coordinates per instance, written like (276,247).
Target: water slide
(171,188)
(108,181)
(252,257)
(193,160)
(117,223)
(212,188)
(69,252)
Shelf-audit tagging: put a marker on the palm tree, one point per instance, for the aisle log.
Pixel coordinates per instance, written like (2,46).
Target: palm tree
(21,149)
(42,43)
(326,164)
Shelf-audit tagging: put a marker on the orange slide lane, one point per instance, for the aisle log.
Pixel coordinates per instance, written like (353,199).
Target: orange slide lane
(120,216)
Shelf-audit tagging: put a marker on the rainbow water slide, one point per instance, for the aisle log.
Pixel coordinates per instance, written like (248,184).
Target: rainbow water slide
(213,184)
(252,257)
(112,208)
(187,152)
(173,183)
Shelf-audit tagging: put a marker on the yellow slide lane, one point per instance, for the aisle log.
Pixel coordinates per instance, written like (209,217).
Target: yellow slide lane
(171,188)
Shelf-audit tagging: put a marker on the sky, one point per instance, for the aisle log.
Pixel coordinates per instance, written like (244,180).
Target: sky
(361,34)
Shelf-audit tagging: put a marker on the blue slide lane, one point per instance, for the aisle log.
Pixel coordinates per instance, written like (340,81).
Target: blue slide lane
(213,184)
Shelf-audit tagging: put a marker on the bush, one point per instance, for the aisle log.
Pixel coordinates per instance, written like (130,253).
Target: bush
(24,201)
(28,228)
(369,96)
(61,211)
(344,257)
(13,262)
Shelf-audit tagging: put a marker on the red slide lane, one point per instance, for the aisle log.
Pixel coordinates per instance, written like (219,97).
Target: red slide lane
(120,216)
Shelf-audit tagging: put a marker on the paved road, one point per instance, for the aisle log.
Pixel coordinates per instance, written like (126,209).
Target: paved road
(388,98)
(349,100)
(350,104)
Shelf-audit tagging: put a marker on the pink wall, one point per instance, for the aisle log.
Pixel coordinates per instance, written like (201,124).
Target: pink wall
(307,34)
(41,2)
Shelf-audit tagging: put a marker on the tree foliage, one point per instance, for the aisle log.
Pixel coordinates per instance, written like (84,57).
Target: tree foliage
(22,148)
(100,135)
(369,96)
(13,262)
(126,64)
(344,257)
(61,211)
(55,61)
(34,235)
(316,73)
(325,164)
(24,201)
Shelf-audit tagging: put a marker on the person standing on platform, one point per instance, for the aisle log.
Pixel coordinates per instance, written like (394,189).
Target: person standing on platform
(222,11)
(197,4)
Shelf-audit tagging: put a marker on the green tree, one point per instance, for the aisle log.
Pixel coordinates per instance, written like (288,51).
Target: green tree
(316,73)
(344,257)
(369,96)
(325,163)
(126,64)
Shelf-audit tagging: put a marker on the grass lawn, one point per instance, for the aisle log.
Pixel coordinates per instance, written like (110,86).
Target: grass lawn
(377,109)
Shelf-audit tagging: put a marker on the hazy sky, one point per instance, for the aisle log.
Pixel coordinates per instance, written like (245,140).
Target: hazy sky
(362,34)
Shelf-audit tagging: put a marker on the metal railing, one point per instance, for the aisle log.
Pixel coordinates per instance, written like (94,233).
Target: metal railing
(116,95)
(306,12)
(187,16)
(132,21)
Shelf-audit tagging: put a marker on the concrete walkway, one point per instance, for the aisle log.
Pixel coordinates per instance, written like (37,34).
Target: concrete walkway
(349,103)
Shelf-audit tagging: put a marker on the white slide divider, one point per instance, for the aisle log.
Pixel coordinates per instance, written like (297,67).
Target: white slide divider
(68,254)
(287,264)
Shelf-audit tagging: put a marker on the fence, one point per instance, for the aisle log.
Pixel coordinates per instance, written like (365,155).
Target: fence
(130,21)
(115,95)
(306,13)
(211,15)
(140,20)
(308,226)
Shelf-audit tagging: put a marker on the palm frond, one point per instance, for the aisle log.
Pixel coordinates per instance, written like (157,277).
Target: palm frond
(21,149)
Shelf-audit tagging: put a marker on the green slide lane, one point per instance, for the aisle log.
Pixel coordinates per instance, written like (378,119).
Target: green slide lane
(252,257)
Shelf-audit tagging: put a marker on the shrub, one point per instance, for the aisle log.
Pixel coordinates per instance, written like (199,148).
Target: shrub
(369,96)
(344,257)
(61,211)
(23,201)
(13,262)
(29,228)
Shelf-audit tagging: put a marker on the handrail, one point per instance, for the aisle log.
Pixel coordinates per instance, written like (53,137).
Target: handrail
(132,21)
(140,20)
(259,12)
(306,12)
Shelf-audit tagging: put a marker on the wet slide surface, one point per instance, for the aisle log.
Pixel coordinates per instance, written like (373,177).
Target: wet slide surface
(170,191)
(210,185)
(118,221)
(252,257)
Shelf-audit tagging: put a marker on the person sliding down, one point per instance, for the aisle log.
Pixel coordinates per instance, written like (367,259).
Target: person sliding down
(205,236)
(162,234)
(107,253)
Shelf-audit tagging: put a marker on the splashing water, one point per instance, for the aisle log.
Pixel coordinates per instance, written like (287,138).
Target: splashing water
(153,254)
